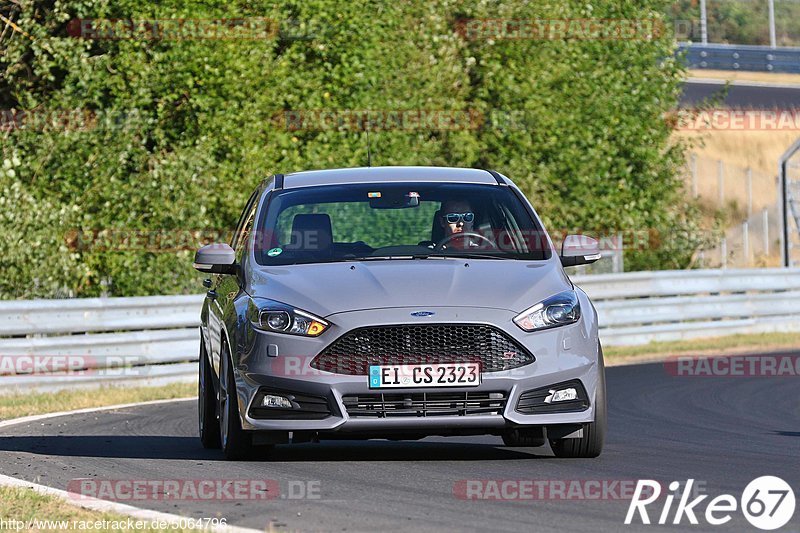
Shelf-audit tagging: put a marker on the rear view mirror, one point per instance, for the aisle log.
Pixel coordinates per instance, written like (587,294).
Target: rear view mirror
(393,199)
(579,250)
(217,258)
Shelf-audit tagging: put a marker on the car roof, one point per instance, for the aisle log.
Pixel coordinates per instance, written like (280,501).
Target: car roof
(390,174)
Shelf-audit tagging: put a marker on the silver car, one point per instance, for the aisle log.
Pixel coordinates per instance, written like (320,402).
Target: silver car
(397,303)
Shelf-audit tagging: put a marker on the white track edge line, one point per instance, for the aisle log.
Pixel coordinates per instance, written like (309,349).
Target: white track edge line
(45,416)
(743,83)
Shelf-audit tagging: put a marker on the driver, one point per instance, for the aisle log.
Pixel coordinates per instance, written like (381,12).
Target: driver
(457,217)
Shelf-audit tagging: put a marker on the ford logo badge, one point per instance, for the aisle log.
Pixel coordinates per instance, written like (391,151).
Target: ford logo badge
(422,313)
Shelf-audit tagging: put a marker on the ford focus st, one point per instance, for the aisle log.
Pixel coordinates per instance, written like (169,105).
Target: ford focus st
(397,302)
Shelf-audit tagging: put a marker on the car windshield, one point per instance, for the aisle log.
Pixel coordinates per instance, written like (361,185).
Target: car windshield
(357,222)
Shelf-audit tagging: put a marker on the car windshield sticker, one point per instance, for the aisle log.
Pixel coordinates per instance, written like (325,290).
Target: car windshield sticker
(274,252)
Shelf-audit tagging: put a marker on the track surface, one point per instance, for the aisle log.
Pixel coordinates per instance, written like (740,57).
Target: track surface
(722,431)
(743,96)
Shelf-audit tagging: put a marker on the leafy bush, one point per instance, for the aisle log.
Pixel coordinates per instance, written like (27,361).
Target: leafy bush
(171,136)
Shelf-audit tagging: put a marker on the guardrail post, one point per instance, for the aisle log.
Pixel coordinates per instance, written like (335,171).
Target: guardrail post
(749,191)
(783,199)
(746,242)
(617,265)
(782,222)
(703,22)
(765,229)
(723,252)
(772,40)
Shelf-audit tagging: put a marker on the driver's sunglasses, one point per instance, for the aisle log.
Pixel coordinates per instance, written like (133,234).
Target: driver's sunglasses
(455,218)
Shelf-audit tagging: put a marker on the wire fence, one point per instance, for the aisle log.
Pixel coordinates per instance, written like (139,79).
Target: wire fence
(742,22)
(747,202)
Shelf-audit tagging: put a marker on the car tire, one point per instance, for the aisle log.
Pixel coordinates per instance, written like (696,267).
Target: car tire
(591,443)
(236,443)
(524,437)
(208,419)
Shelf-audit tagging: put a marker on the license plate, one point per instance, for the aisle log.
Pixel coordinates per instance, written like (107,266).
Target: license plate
(439,375)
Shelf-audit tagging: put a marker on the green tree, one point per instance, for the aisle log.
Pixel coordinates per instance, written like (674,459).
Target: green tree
(171,135)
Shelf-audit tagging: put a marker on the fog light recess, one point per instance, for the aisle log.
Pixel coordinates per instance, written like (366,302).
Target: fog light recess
(557,398)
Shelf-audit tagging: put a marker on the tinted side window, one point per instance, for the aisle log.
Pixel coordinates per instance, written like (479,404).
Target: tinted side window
(247,212)
(243,232)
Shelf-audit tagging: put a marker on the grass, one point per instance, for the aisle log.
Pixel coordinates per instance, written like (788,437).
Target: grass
(24,404)
(729,345)
(742,75)
(24,505)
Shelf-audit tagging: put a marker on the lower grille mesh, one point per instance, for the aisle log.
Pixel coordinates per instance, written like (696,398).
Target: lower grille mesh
(423,404)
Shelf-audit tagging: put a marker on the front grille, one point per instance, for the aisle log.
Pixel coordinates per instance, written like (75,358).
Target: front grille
(355,351)
(425,404)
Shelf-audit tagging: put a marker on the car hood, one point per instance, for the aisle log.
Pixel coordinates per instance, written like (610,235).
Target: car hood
(328,288)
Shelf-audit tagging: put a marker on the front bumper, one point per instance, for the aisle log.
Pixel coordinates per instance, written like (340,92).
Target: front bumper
(281,363)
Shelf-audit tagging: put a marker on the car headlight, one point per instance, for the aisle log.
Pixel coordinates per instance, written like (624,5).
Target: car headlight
(558,310)
(277,317)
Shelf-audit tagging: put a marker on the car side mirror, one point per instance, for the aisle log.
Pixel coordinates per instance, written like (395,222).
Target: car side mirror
(579,250)
(217,258)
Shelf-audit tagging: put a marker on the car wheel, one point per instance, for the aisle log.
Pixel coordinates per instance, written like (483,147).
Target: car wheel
(208,422)
(591,443)
(236,443)
(518,437)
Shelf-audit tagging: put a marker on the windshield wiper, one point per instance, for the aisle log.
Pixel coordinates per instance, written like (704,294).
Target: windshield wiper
(379,257)
(466,255)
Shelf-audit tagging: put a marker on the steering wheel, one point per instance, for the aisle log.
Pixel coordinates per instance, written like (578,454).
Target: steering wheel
(440,245)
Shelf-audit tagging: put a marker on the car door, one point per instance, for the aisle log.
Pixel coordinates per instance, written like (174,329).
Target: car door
(225,287)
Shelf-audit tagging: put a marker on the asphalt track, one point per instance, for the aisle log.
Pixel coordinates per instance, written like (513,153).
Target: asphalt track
(743,96)
(722,432)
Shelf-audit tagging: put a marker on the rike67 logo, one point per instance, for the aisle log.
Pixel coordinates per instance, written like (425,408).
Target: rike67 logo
(767,503)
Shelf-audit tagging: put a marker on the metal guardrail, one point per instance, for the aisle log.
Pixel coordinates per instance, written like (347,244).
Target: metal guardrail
(161,332)
(137,340)
(741,57)
(789,202)
(642,307)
